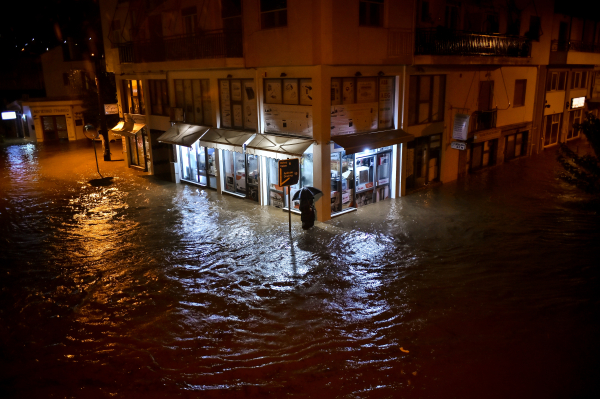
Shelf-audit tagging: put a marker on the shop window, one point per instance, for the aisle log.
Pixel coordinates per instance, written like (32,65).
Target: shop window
(273,13)
(556,81)
(424,161)
(426,99)
(278,195)
(520,89)
(132,97)
(483,155)
(515,145)
(189,19)
(54,127)
(371,12)
(373,99)
(159,97)
(574,119)
(138,149)
(579,80)
(198,165)
(552,129)
(237,98)
(193,96)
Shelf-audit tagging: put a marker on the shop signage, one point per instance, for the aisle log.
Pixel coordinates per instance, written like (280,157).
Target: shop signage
(9,115)
(289,172)
(457,145)
(111,109)
(461,127)
(577,102)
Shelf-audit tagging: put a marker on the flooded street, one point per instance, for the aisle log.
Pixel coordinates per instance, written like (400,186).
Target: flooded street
(483,288)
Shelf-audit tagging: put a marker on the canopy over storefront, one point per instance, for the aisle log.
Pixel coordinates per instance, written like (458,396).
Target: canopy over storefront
(224,139)
(372,140)
(127,128)
(278,147)
(183,134)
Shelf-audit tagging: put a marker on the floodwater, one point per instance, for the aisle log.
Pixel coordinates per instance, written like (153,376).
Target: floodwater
(139,288)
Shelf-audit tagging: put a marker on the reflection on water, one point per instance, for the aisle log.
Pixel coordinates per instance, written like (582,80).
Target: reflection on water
(141,288)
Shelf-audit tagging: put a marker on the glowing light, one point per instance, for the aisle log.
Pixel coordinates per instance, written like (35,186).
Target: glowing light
(90,38)
(92,54)
(9,115)
(33,39)
(65,41)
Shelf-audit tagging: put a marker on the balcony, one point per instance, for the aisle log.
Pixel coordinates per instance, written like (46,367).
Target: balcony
(574,52)
(442,41)
(484,120)
(213,44)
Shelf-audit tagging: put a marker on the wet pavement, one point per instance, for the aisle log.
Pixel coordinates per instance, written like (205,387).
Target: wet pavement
(138,287)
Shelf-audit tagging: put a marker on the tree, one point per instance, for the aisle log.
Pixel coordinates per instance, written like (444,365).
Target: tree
(583,171)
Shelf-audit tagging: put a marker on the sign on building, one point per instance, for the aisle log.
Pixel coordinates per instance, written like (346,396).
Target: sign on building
(289,172)
(461,127)
(111,109)
(577,102)
(457,145)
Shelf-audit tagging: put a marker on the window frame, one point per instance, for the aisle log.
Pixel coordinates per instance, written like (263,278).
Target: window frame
(159,96)
(181,102)
(521,100)
(127,96)
(413,117)
(550,86)
(279,15)
(233,102)
(366,18)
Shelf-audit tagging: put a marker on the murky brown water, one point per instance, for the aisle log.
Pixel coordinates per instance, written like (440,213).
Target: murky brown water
(485,288)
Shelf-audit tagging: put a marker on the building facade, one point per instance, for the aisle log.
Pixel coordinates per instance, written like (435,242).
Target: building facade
(375,97)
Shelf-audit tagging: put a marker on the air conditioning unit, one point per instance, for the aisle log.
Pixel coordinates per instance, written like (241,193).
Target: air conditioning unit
(176,114)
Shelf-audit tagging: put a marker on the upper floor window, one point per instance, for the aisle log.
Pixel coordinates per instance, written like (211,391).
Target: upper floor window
(520,89)
(535,25)
(132,97)
(370,12)
(237,99)
(231,12)
(426,99)
(188,15)
(556,81)
(579,80)
(451,16)
(273,13)
(193,96)
(159,97)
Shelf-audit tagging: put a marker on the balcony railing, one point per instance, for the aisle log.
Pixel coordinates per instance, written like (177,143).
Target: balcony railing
(575,45)
(484,120)
(214,44)
(442,41)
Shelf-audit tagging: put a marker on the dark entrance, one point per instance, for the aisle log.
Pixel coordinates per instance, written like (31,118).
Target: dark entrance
(55,128)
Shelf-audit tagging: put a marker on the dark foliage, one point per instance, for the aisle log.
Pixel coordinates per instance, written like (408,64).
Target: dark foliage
(583,171)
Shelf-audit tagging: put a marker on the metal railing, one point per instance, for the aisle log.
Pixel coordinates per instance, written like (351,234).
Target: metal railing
(575,45)
(214,44)
(483,120)
(443,41)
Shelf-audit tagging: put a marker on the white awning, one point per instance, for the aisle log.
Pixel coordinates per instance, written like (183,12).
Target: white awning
(372,140)
(127,128)
(182,134)
(224,139)
(278,147)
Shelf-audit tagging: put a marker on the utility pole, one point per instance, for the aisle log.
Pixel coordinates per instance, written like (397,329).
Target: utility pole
(101,117)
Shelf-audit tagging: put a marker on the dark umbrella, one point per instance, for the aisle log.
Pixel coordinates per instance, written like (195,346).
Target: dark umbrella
(307,193)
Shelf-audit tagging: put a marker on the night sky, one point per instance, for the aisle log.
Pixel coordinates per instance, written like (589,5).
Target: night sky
(30,30)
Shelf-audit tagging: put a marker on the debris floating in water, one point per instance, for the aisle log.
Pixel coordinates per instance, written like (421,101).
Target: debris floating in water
(404,350)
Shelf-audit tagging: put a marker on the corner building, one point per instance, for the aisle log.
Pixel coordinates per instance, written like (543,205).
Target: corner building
(215,92)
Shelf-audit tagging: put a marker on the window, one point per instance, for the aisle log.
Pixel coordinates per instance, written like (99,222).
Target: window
(556,81)
(231,13)
(273,13)
(520,89)
(451,16)
(574,118)
(66,80)
(516,145)
(193,96)
(426,99)
(159,98)
(288,91)
(132,97)
(425,167)
(370,12)
(188,16)
(115,32)
(483,155)
(552,129)
(374,98)
(534,28)
(425,15)
(579,80)
(237,98)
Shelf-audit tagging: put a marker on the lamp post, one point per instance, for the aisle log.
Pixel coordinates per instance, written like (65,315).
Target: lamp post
(101,117)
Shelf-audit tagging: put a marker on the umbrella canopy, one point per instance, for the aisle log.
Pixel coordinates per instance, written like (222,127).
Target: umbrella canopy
(307,192)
